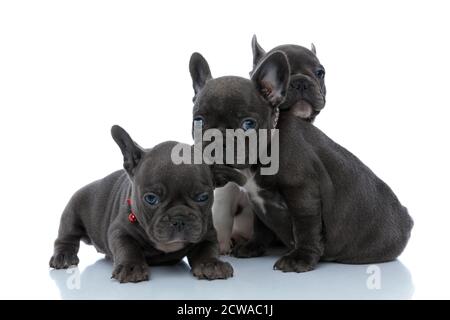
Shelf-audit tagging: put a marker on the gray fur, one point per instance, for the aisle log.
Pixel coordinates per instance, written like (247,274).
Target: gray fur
(164,233)
(306,93)
(324,203)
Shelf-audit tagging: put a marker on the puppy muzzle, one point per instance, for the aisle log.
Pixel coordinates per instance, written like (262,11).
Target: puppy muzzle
(304,90)
(180,224)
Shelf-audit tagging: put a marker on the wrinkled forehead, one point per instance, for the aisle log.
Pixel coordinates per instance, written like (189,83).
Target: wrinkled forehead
(228,96)
(162,171)
(300,58)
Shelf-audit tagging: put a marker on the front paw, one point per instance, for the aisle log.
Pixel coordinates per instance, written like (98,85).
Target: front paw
(213,269)
(225,247)
(130,272)
(296,262)
(248,249)
(63,260)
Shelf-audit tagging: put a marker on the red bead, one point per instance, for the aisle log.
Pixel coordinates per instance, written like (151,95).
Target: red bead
(132,218)
(129,201)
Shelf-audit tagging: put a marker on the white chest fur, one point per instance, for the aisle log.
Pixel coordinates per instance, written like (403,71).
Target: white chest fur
(252,188)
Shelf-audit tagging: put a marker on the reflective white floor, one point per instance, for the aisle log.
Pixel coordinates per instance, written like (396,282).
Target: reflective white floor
(253,279)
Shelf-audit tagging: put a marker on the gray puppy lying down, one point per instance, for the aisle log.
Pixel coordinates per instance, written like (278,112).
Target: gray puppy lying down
(153,212)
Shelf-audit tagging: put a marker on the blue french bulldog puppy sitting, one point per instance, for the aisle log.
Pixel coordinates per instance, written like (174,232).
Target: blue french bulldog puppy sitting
(233,211)
(323,203)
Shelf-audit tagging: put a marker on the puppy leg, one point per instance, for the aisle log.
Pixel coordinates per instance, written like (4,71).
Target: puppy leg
(257,245)
(305,208)
(224,209)
(67,244)
(243,223)
(129,261)
(204,260)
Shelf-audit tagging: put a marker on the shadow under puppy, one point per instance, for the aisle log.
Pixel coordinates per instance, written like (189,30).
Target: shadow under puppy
(233,211)
(153,212)
(323,203)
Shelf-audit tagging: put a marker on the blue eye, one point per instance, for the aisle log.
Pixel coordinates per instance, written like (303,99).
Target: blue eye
(198,121)
(151,199)
(320,73)
(248,124)
(202,197)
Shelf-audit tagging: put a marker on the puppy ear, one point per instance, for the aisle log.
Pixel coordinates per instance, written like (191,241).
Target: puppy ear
(258,51)
(223,174)
(200,73)
(313,49)
(272,77)
(132,153)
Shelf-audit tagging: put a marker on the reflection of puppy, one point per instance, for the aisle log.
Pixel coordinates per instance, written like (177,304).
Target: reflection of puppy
(233,210)
(331,281)
(324,203)
(154,212)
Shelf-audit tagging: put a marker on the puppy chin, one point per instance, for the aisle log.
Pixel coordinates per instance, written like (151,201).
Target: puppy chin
(176,243)
(302,109)
(171,246)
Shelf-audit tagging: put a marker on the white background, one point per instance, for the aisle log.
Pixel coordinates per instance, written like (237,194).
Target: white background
(71,69)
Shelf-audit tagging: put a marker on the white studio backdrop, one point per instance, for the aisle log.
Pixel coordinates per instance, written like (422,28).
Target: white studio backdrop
(69,70)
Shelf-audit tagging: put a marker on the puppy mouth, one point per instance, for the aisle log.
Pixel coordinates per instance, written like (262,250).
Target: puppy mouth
(172,238)
(171,246)
(174,244)
(165,234)
(306,109)
(176,241)
(302,108)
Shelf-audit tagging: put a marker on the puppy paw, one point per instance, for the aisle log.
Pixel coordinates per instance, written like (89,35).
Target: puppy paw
(294,262)
(213,269)
(248,249)
(63,260)
(131,272)
(225,247)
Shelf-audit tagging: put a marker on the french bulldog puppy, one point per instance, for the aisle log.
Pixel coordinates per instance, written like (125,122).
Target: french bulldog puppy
(323,203)
(233,211)
(152,212)
(305,97)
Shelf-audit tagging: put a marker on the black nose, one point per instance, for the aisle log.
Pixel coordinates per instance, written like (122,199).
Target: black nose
(177,223)
(299,84)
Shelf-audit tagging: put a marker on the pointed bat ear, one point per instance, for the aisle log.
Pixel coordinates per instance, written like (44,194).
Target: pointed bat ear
(200,73)
(313,48)
(272,77)
(258,51)
(132,153)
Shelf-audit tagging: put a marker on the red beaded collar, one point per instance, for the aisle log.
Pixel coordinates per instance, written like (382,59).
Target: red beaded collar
(131,215)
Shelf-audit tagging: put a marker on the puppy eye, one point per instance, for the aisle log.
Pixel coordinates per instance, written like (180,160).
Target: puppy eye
(151,199)
(248,124)
(320,73)
(201,197)
(199,121)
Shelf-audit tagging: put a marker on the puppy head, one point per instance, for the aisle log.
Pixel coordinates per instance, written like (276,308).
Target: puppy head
(306,94)
(172,203)
(237,103)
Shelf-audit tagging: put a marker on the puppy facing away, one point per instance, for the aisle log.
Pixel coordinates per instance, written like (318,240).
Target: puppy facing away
(305,98)
(323,203)
(152,212)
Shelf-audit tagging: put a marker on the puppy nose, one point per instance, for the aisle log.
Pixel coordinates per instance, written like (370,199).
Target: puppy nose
(299,84)
(177,223)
